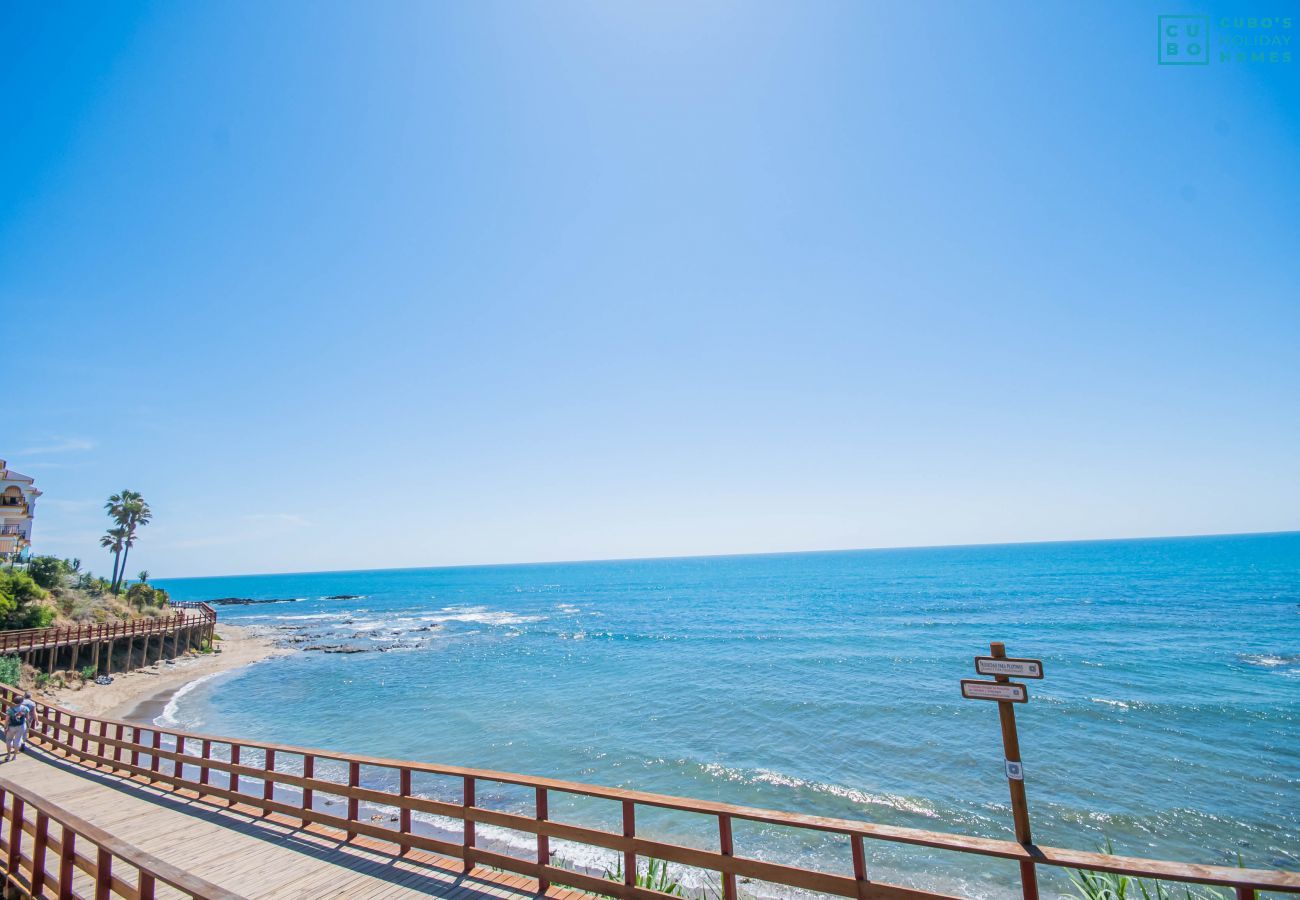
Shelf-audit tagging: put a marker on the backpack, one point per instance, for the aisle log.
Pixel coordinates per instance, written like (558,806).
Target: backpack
(17,716)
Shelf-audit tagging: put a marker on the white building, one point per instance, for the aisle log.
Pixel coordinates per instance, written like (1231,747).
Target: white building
(17,506)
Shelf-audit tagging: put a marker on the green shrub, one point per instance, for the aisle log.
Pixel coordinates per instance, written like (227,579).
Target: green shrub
(42,679)
(11,669)
(655,877)
(146,596)
(88,673)
(18,595)
(47,571)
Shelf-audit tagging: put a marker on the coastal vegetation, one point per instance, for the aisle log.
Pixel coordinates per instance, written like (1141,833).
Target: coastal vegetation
(52,591)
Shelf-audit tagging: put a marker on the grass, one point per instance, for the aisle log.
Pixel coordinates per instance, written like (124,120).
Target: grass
(655,877)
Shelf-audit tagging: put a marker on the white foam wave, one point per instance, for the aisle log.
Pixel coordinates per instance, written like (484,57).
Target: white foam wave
(170,717)
(853,795)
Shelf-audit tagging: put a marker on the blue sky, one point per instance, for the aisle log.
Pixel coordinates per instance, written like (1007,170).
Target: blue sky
(351,285)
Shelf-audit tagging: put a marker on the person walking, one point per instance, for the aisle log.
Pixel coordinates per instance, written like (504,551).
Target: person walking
(31,718)
(16,718)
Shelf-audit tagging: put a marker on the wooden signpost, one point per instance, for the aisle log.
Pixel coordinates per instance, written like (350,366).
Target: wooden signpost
(1007,693)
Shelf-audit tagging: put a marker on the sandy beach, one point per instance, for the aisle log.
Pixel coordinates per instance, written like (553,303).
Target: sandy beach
(142,694)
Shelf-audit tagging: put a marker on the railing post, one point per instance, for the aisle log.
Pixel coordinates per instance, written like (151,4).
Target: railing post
(117,750)
(144,885)
(404,815)
(543,842)
(177,771)
(859,864)
(157,745)
(234,776)
(67,856)
(103,875)
(308,772)
(204,770)
(38,853)
(15,833)
(354,780)
(629,831)
(135,749)
(268,786)
(726,847)
(467,839)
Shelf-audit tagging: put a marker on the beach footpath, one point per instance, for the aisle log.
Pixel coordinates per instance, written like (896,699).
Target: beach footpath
(145,691)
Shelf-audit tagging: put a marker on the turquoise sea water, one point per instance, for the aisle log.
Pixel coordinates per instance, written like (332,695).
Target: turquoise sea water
(1169,720)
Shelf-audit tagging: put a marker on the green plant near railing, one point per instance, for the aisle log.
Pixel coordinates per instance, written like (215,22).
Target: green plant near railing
(42,679)
(1109,886)
(88,673)
(655,877)
(11,668)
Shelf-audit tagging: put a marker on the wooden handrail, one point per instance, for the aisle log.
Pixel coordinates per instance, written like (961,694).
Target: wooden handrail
(193,615)
(125,747)
(30,870)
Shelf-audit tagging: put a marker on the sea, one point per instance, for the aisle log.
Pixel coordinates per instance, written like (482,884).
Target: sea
(1167,723)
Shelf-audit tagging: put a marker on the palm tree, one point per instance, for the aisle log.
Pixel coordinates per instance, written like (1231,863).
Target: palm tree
(143,576)
(135,513)
(112,542)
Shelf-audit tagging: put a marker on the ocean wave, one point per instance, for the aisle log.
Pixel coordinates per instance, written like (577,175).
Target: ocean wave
(1270,660)
(913,805)
(482,615)
(170,717)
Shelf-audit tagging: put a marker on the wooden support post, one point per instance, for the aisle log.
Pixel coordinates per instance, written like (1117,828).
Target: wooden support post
(234,776)
(203,767)
(135,739)
(1019,803)
(177,769)
(308,772)
(38,853)
(76,652)
(103,875)
(543,841)
(859,864)
(467,803)
(268,786)
(15,833)
(153,757)
(145,886)
(130,645)
(67,856)
(117,751)
(404,816)
(97,646)
(629,831)
(727,848)
(354,780)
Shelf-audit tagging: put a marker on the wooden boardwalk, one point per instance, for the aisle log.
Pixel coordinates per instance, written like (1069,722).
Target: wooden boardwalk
(249,854)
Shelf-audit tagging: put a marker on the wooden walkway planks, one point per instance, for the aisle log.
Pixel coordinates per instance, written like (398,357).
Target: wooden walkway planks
(252,855)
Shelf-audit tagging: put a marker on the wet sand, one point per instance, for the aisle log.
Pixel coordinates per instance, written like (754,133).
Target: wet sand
(143,694)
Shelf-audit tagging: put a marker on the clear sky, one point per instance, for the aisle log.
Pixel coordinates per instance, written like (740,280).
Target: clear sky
(353,285)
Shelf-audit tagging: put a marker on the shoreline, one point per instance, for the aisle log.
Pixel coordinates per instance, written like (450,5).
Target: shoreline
(142,694)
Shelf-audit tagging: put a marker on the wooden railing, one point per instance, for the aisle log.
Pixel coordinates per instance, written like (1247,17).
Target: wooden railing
(43,847)
(191,615)
(288,782)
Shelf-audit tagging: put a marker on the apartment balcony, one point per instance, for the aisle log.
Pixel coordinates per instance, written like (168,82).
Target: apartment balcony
(18,530)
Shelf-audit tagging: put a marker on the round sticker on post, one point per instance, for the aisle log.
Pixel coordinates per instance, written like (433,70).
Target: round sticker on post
(1015,771)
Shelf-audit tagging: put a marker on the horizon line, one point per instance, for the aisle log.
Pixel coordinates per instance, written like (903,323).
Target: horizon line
(615,559)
